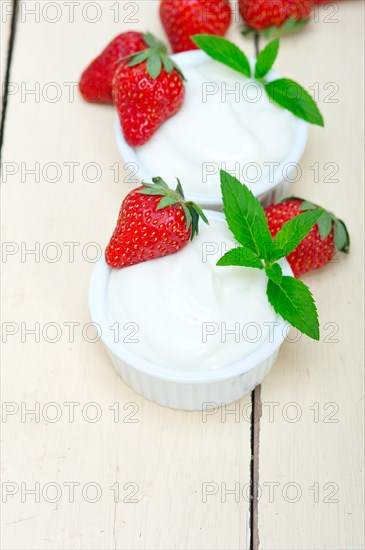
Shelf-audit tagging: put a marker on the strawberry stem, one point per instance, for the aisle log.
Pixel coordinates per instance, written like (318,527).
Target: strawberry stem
(257,43)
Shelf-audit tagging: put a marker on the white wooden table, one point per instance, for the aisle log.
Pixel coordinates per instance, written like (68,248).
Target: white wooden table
(308,442)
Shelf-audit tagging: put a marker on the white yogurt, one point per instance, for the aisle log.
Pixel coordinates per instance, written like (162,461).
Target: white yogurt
(226,122)
(184,306)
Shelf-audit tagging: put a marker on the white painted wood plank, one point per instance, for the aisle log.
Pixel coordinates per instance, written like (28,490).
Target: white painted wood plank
(323,451)
(168,454)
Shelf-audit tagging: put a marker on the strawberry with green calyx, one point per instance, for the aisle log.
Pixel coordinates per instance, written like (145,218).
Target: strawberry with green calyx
(154,55)
(283,91)
(181,19)
(147,90)
(246,219)
(96,81)
(317,249)
(153,221)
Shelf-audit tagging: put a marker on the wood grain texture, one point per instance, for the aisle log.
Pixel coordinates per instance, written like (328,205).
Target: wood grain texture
(168,454)
(323,381)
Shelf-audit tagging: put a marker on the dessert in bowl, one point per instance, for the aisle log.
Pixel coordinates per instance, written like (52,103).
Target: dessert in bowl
(206,307)
(228,122)
(190,332)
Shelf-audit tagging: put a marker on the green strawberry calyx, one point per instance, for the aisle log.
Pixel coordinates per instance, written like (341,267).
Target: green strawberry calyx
(256,248)
(156,58)
(285,92)
(170,197)
(326,223)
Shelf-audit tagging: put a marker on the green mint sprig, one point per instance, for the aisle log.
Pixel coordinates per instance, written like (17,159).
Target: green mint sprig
(266,59)
(285,92)
(224,51)
(246,219)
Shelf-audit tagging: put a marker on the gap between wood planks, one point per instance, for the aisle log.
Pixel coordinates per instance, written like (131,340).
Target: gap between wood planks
(256,412)
(9,57)
(255,395)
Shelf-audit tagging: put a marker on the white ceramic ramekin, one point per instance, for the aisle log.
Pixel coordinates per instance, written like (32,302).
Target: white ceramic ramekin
(274,187)
(178,388)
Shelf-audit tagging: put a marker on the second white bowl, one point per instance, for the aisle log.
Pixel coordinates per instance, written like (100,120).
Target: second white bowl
(268,190)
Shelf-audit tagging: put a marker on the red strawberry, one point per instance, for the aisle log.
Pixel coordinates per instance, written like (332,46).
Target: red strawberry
(153,221)
(327,237)
(96,81)
(182,19)
(263,14)
(147,90)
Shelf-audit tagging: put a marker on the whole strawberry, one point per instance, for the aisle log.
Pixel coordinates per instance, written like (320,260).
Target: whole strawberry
(153,221)
(264,14)
(147,90)
(96,81)
(182,19)
(318,248)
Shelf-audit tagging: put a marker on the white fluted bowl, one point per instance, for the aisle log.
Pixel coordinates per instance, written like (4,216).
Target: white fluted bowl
(267,190)
(179,388)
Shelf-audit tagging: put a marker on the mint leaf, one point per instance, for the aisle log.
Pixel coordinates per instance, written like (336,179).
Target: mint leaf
(293,300)
(241,209)
(275,273)
(224,51)
(293,232)
(241,256)
(325,224)
(246,219)
(267,58)
(294,98)
(263,236)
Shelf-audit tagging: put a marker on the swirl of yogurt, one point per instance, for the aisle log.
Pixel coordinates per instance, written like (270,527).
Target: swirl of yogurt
(226,122)
(190,313)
